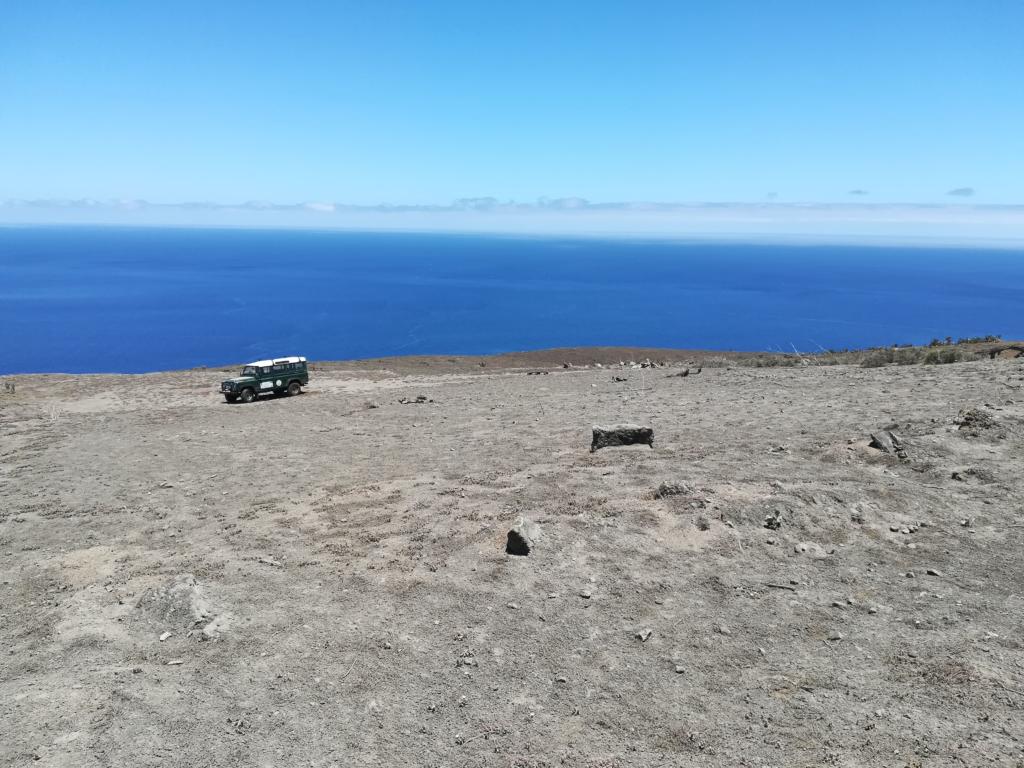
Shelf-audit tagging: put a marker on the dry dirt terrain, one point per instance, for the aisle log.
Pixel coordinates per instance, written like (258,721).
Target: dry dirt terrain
(313,581)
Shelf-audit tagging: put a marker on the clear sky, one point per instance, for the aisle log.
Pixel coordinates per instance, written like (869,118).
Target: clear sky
(902,101)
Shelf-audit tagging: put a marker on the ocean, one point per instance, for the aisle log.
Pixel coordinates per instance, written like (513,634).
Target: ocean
(93,299)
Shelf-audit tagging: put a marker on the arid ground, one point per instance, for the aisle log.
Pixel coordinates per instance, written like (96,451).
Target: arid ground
(322,580)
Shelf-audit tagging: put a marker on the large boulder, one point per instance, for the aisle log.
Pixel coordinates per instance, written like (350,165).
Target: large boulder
(621,434)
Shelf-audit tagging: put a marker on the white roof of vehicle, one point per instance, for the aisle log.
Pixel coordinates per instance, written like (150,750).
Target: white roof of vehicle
(278,361)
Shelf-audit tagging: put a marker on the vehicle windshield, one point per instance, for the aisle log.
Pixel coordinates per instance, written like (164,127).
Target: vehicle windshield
(249,370)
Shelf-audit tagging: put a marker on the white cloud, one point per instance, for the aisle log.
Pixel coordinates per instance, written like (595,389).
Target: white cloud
(854,221)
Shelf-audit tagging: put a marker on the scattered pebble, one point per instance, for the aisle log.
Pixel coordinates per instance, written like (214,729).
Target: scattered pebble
(643,635)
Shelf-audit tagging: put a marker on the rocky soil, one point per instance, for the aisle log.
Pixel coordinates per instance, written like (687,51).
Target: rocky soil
(812,566)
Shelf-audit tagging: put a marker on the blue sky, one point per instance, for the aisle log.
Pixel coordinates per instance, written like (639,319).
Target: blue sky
(426,102)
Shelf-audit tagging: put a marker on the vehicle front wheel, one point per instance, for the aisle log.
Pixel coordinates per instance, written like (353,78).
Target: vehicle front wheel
(294,388)
(248,395)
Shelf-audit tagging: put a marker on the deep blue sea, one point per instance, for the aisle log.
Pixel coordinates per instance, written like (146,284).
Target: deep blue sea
(132,300)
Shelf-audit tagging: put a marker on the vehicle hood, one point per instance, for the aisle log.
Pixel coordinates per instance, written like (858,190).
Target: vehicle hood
(239,380)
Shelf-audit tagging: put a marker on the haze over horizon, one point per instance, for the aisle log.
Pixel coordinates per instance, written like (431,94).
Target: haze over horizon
(881,119)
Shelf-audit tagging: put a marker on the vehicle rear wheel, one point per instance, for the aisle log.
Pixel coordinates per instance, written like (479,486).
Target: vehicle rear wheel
(231,398)
(294,388)
(248,395)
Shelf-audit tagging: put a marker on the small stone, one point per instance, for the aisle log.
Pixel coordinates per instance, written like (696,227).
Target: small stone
(873,610)
(680,669)
(175,662)
(933,572)
(904,531)
(643,635)
(835,635)
(513,606)
(894,528)
(910,574)
(164,636)
(585,594)
(561,679)
(136,670)
(724,630)
(837,604)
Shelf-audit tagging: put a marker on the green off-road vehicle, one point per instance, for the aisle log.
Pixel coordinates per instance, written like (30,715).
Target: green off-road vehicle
(279,376)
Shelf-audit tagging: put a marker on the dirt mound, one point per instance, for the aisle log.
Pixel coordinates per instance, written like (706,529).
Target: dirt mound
(182,604)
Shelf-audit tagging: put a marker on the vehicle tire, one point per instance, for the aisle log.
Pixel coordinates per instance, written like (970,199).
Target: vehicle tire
(248,395)
(294,388)
(231,398)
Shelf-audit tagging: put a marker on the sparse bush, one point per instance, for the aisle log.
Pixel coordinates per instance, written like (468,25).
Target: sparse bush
(946,356)
(716,362)
(877,358)
(908,356)
(978,339)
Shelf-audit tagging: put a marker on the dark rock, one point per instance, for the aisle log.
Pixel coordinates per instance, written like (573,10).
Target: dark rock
(621,434)
(672,489)
(522,537)
(973,422)
(973,474)
(418,400)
